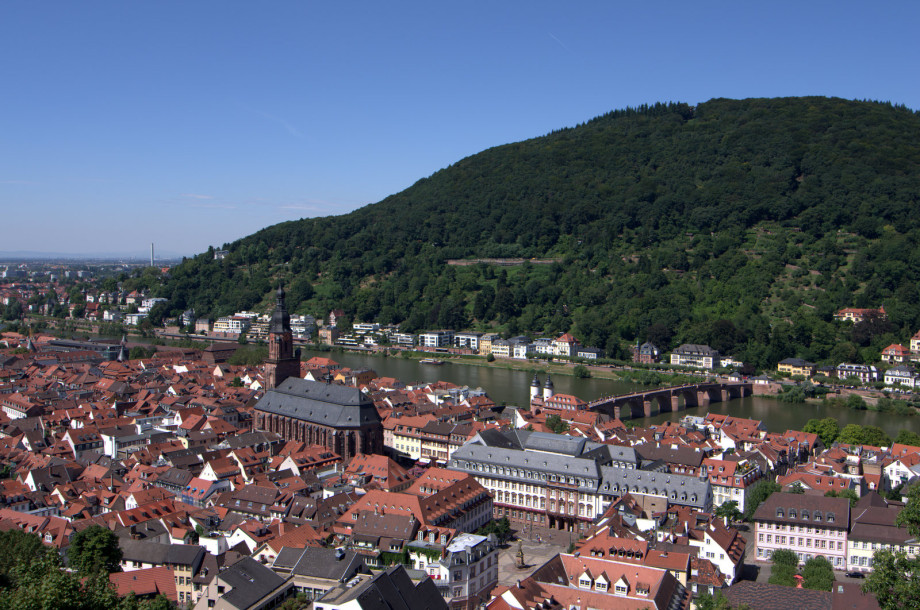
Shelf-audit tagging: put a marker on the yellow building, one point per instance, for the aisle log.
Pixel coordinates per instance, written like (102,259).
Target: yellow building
(796,366)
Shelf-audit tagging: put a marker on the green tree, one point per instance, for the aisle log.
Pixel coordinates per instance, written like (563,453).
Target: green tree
(556,424)
(894,580)
(41,583)
(909,516)
(94,550)
(712,602)
(856,402)
(16,546)
(782,571)
(827,429)
(500,527)
(760,491)
(906,437)
(783,575)
(854,434)
(730,510)
(796,488)
(785,557)
(818,573)
(581,371)
(849,494)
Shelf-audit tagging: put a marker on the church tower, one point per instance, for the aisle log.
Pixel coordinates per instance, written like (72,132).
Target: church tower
(282,361)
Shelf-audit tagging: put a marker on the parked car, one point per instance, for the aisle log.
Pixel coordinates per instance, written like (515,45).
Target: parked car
(855,575)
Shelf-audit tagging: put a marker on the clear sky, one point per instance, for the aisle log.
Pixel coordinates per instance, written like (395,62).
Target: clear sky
(195,123)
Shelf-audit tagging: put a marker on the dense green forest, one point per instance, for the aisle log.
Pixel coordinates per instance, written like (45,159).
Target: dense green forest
(740,223)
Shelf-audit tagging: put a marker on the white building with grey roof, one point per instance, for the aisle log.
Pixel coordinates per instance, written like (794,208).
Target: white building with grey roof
(558,481)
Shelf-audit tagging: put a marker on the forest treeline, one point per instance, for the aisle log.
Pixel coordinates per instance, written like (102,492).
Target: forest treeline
(743,224)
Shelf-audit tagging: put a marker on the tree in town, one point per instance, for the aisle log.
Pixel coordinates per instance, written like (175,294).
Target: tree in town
(556,424)
(827,429)
(500,527)
(581,371)
(796,488)
(849,494)
(714,602)
(818,573)
(16,546)
(93,550)
(785,557)
(41,583)
(729,510)
(894,580)
(906,437)
(782,571)
(909,516)
(854,434)
(760,491)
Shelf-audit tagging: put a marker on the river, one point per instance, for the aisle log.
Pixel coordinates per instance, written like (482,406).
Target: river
(512,387)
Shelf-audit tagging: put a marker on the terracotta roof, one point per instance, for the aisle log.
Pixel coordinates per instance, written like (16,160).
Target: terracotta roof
(146,582)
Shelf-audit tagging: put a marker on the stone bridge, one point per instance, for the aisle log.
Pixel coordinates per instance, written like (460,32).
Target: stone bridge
(666,400)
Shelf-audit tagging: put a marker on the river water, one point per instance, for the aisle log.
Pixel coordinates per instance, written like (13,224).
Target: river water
(513,388)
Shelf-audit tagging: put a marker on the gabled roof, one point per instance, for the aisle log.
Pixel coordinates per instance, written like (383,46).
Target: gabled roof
(250,582)
(319,403)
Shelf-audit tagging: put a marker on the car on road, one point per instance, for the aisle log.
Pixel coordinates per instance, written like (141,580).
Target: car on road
(855,575)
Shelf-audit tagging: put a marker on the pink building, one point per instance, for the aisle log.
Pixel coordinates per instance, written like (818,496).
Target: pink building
(809,525)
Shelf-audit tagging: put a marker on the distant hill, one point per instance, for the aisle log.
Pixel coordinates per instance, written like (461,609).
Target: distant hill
(740,223)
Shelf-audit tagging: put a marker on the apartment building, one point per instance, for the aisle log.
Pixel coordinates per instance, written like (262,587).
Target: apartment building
(465,570)
(732,480)
(436,338)
(865,373)
(807,524)
(696,356)
(565,482)
(873,528)
(468,339)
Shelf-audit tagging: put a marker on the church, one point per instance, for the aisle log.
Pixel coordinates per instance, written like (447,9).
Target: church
(338,417)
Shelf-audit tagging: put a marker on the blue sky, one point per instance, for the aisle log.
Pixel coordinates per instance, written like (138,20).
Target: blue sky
(191,124)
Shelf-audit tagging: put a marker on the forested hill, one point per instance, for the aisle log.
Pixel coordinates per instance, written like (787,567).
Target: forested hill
(743,224)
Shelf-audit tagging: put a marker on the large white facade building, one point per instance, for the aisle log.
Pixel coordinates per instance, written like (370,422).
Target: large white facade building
(564,482)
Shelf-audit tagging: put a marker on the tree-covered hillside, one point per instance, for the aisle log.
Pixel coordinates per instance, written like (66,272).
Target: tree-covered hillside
(743,224)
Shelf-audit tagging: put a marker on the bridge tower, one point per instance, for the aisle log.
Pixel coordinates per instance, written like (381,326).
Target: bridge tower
(548,387)
(535,387)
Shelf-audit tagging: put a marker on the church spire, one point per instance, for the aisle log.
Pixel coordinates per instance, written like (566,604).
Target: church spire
(282,361)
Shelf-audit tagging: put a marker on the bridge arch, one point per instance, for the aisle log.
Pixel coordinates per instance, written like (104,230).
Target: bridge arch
(688,395)
(664,401)
(635,406)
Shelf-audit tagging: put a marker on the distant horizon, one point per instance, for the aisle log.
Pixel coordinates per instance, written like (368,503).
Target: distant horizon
(195,125)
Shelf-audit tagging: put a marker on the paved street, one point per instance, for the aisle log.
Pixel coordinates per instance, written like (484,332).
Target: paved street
(539,546)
